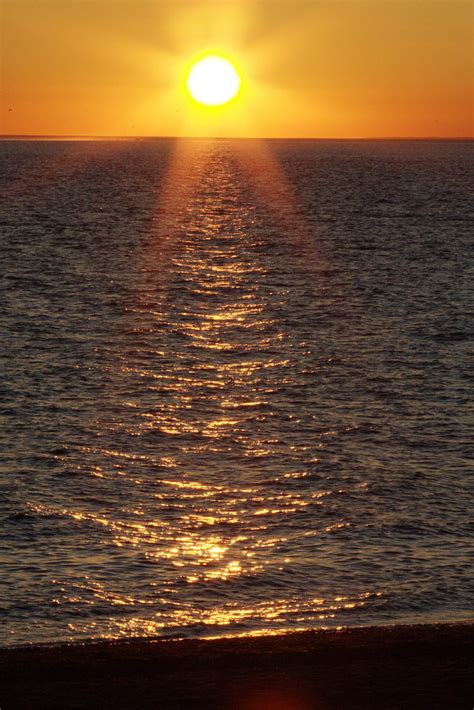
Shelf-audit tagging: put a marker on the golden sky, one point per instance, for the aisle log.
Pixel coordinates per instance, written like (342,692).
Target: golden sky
(329,69)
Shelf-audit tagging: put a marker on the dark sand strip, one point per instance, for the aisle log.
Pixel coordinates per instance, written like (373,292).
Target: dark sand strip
(400,667)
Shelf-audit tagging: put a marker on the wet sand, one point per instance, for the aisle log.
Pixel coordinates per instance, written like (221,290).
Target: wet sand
(380,667)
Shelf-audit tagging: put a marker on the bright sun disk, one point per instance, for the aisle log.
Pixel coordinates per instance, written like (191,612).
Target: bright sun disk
(213,81)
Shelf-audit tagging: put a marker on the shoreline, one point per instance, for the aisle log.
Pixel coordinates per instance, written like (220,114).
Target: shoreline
(418,666)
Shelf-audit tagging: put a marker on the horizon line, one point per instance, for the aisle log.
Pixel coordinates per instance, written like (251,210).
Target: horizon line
(39,136)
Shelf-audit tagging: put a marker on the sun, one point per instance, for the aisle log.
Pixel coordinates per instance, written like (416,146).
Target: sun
(213,81)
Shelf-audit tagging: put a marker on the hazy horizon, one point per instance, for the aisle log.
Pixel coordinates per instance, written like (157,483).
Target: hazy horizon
(31,136)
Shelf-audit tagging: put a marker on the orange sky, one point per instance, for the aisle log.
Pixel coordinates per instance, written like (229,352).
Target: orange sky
(317,69)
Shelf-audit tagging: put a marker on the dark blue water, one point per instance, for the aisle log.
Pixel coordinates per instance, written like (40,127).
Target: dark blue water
(236,389)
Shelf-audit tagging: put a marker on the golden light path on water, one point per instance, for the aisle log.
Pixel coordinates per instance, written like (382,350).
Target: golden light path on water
(218,416)
(207,399)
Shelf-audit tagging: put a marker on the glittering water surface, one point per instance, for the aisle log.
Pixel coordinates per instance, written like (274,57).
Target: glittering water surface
(236,386)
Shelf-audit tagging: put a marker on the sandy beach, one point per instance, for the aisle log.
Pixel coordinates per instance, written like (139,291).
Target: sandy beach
(380,667)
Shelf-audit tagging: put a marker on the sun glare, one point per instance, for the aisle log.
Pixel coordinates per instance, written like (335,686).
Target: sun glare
(213,81)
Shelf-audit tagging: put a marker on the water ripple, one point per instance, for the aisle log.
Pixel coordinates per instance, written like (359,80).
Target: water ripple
(235,393)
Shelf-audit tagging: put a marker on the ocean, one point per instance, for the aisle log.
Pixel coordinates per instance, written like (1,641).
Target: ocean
(236,386)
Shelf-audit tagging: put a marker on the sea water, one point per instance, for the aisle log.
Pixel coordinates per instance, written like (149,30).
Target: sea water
(236,389)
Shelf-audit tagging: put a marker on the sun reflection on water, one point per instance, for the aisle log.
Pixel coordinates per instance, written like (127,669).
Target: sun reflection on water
(213,503)
(230,614)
